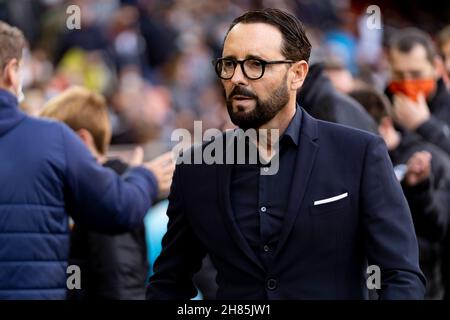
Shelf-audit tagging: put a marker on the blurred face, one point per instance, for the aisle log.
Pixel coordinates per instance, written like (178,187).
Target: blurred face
(412,73)
(341,79)
(252,103)
(412,65)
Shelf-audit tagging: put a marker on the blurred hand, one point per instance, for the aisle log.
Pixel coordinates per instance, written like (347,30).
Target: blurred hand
(410,114)
(137,157)
(419,168)
(163,168)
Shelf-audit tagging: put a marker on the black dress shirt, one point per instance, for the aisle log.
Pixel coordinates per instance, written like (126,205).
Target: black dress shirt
(259,201)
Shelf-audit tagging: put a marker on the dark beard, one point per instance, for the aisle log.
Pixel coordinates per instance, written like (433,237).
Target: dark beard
(264,111)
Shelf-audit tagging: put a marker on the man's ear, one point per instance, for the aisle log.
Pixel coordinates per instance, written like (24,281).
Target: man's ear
(10,75)
(86,137)
(88,140)
(300,70)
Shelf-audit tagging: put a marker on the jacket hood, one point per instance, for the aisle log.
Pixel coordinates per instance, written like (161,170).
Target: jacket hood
(10,115)
(316,85)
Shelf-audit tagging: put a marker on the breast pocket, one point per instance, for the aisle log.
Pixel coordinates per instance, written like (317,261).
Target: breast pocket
(329,205)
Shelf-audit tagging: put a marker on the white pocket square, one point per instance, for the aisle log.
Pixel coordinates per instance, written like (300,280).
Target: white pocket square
(332,199)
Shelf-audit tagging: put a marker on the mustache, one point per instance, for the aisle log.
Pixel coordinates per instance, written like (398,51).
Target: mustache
(241,91)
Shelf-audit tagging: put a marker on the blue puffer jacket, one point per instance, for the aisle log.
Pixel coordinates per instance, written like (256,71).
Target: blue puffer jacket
(47,174)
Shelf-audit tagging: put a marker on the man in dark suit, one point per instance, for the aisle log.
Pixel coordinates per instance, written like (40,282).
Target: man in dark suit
(310,230)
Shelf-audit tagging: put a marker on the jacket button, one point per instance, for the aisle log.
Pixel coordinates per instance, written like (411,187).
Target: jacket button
(271,284)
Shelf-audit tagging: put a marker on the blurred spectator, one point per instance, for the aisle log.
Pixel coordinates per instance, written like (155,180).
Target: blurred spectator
(340,77)
(140,109)
(114,266)
(84,68)
(50,175)
(424,172)
(91,36)
(156,32)
(421,100)
(323,101)
(128,45)
(444,49)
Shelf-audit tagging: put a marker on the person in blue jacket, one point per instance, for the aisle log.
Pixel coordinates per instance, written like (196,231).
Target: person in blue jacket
(47,174)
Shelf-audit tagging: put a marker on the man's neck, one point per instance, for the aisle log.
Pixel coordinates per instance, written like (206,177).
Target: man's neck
(281,121)
(6,88)
(270,133)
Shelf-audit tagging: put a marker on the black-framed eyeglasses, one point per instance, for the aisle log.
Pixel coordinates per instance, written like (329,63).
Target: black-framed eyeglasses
(252,68)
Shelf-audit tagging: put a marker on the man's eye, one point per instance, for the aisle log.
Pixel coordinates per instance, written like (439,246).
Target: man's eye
(228,63)
(254,63)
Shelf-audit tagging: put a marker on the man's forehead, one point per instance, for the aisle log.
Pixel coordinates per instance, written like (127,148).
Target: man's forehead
(417,53)
(253,39)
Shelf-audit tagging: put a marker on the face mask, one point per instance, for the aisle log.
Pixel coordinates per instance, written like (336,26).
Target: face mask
(412,88)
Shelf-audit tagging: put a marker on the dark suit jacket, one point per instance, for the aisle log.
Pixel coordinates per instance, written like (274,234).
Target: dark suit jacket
(323,250)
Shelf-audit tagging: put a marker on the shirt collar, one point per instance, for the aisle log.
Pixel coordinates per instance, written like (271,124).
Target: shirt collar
(292,132)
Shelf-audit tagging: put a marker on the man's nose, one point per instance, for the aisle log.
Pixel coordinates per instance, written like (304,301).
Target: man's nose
(238,77)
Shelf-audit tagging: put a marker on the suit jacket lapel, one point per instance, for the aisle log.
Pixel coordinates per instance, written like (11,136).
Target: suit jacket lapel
(306,154)
(223,173)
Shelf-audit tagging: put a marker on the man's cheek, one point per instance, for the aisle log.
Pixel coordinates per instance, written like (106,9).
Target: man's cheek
(226,91)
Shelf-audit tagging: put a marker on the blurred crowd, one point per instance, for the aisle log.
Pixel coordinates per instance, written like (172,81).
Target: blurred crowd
(151,60)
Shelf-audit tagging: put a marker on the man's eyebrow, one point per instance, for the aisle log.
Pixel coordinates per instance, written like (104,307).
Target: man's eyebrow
(248,56)
(253,56)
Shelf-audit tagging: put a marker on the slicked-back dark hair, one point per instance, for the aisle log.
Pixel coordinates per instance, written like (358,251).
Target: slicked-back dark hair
(295,45)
